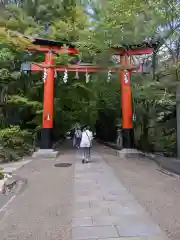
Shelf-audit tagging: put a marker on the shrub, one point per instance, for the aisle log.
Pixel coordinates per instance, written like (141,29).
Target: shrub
(14,143)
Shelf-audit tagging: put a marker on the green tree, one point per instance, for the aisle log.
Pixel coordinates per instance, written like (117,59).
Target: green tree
(93,28)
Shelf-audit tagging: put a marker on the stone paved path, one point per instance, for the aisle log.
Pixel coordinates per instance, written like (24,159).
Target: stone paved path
(157,192)
(103,208)
(75,203)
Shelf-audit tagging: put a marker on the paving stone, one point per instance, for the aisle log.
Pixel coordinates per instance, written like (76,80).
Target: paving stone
(94,232)
(95,204)
(106,220)
(111,198)
(88,198)
(114,192)
(119,220)
(91,212)
(122,210)
(136,238)
(82,205)
(82,221)
(112,204)
(87,189)
(86,182)
(92,190)
(82,193)
(79,201)
(123,198)
(138,228)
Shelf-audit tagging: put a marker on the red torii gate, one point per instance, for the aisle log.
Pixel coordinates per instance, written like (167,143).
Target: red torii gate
(50,47)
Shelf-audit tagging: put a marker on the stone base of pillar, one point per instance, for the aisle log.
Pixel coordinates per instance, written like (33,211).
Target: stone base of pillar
(45,153)
(129,153)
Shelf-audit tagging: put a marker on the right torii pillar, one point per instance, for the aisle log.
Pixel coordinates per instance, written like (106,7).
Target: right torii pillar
(126,105)
(126,94)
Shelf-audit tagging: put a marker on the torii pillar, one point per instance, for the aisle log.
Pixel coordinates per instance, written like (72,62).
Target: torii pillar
(49,48)
(126,93)
(48,104)
(126,105)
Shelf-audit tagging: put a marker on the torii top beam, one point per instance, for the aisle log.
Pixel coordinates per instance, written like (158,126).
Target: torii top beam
(45,45)
(135,49)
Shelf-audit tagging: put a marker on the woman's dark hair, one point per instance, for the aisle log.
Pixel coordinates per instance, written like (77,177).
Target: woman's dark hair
(86,127)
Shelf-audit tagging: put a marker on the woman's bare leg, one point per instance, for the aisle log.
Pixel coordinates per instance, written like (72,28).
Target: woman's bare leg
(83,155)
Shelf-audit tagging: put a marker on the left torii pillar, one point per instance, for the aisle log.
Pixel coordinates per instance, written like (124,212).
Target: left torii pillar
(48,47)
(48,103)
(46,144)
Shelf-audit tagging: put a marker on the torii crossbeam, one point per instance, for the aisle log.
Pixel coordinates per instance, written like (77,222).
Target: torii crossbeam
(50,47)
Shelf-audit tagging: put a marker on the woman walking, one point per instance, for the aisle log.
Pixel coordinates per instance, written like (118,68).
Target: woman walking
(77,137)
(86,144)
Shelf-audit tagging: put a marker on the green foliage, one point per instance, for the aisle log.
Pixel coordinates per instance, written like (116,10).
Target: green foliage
(155,106)
(109,23)
(14,143)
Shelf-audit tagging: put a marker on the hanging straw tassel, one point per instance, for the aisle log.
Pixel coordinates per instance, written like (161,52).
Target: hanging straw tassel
(77,75)
(109,76)
(45,75)
(87,77)
(65,78)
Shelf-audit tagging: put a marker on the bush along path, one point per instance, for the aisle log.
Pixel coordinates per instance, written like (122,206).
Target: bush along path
(14,144)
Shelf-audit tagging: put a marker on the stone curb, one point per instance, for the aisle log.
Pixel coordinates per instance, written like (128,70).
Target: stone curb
(15,185)
(163,165)
(9,183)
(8,180)
(1,184)
(2,181)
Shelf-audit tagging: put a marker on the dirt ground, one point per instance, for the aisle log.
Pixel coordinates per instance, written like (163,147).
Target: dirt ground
(158,192)
(44,209)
